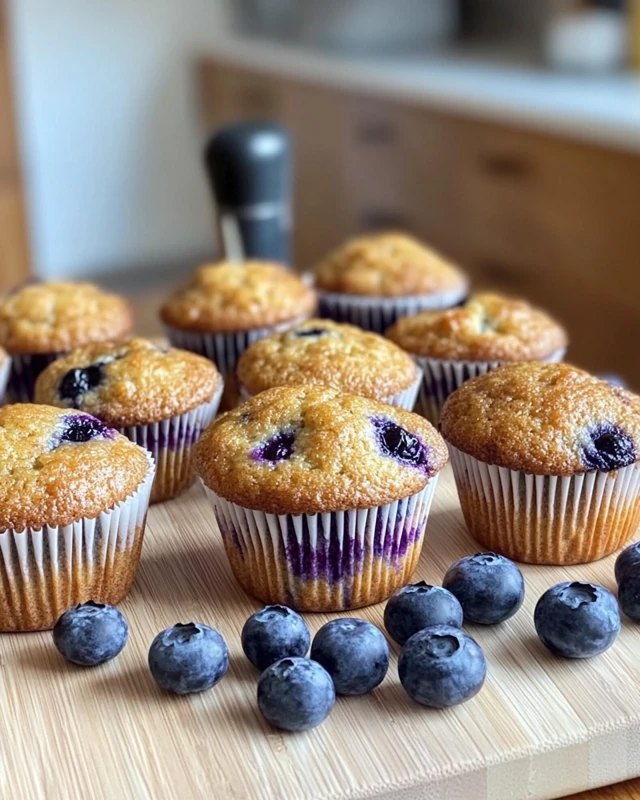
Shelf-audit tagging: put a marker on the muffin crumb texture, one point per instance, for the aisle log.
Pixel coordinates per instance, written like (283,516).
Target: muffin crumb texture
(129,383)
(60,466)
(387,265)
(312,449)
(56,317)
(323,352)
(226,297)
(488,327)
(544,419)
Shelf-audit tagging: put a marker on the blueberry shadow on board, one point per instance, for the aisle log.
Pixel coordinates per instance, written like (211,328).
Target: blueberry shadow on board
(134,685)
(390,700)
(40,655)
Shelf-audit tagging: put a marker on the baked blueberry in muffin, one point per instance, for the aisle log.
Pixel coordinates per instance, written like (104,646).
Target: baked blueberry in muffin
(349,481)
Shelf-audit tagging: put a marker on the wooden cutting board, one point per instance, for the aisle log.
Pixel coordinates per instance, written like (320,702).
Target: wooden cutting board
(541,727)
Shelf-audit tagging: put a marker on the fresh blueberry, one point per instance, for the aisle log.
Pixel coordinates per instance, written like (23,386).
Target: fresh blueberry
(629,594)
(354,652)
(273,633)
(188,658)
(419,606)
(490,588)
(295,694)
(310,332)
(577,620)
(441,666)
(278,448)
(607,448)
(77,382)
(398,443)
(90,634)
(628,560)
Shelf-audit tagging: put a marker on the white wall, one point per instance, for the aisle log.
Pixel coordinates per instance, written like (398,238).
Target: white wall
(111,146)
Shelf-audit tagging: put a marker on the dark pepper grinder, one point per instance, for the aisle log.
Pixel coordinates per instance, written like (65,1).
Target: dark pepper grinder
(249,168)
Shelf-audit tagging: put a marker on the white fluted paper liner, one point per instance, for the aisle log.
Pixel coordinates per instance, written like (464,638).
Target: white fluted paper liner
(45,571)
(379,313)
(5,369)
(24,372)
(547,519)
(405,399)
(442,377)
(170,443)
(224,349)
(324,562)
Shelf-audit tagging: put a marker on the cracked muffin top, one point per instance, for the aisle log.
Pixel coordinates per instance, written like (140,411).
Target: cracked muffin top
(388,265)
(60,466)
(58,316)
(323,352)
(544,419)
(314,449)
(488,327)
(129,383)
(228,297)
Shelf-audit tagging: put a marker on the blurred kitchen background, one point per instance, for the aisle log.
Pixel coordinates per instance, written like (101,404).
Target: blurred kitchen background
(504,132)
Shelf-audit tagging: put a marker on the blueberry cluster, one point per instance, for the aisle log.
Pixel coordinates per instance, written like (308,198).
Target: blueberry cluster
(439,664)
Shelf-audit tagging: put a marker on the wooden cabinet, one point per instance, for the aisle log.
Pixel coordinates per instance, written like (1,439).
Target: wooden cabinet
(547,218)
(14,250)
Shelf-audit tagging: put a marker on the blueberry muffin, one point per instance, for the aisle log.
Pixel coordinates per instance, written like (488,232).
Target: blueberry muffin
(323,352)
(321,497)
(227,306)
(5,369)
(160,397)
(373,280)
(488,330)
(40,321)
(73,502)
(546,462)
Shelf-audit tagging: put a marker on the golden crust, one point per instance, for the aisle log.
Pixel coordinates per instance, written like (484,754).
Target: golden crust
(44,484)
(142,383)
(344,357)
(535,417)
(226,297)
(387,265)
(336,462)
(488,327)
(56,317)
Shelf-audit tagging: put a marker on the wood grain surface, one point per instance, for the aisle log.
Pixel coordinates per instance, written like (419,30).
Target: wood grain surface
(540,728)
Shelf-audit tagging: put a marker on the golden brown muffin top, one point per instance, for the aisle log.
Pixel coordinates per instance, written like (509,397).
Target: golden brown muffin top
(323,352)
(387,265)
(129,383)
(488,327)
(226,297)
(312,449)
(544,419)
(60,466)
(58,316)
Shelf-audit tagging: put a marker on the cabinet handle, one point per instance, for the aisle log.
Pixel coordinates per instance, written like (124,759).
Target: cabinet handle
(376,132)
(507,166)
(384,219)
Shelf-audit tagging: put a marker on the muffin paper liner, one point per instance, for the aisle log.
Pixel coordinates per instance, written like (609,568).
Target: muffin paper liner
(547,519)
(224,349)
(442,377)
(324,562)
(24,371)
(379,313)
(405,399)
(5,371)
(170,443)
(45,571)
